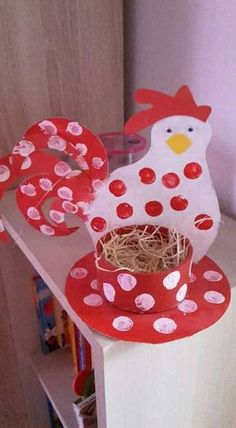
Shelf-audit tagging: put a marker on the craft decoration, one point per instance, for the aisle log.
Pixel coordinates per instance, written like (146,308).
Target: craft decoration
(170,187)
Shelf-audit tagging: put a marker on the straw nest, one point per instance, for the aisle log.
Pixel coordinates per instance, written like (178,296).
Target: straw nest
(144,249)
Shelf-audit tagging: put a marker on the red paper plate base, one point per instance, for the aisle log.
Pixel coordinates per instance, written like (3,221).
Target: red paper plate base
(207,300)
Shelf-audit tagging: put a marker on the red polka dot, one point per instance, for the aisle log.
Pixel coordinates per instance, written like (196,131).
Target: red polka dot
(170,180)
(203,222)
(192,170)
(98,224)
(153,208)
(124,210)
(117,187)
(147,175)
(178,203)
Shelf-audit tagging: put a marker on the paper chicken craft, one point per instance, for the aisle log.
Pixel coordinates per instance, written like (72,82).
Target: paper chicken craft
(170,187)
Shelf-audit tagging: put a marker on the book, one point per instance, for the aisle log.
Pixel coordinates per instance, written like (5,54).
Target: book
(73,331)
(61,321)
(83,352)
(87,354)
(45,315)
(86,412)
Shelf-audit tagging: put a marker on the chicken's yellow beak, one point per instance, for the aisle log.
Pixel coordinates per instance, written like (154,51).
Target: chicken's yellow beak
(179,143)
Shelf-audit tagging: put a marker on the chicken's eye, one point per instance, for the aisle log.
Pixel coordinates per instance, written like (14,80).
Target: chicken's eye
(169,130)
(190,129)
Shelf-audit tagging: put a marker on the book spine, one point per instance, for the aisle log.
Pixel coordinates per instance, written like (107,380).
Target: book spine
(88,355)
(60,320)
(74,340)
(45,315)
(84,352)
(81,351)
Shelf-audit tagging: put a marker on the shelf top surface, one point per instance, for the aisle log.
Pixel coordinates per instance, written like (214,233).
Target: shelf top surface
(53,257)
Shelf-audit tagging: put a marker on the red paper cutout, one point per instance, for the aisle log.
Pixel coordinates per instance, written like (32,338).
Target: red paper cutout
(207,300)
(153,208)
(57,176)
(163,105)
(147,175)
(178,203)
(124,210)
(117,187)
(170,180)
(192,170)
(203,222)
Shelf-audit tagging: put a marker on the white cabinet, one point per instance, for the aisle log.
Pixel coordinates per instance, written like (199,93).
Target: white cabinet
(190,383)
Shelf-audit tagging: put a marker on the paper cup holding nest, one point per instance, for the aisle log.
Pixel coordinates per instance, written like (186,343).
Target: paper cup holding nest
(143,268)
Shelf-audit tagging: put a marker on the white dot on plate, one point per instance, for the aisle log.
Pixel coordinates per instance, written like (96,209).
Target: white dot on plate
(65,192)
(192,277)
(122,323)
(165,325)
(57,216)
(4,173)
(82,148)
(48,127)
(24,148)
(109,291)
(144,302)
(57,143)
(97,162)
(28,189)
(74,128)
(171,280)
(181,293)
(33,213)
(187,306)
(214,297)
(212,275)
(45,184)
(27,162)
(126,281)
(47,230)
(93,300)
(94,284)
(69,207)
(62,169)
(79,273)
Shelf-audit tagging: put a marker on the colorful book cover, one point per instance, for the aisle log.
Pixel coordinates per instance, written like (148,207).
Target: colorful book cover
(81,350)
(61,324)
(73,341)
(45,315)
(86,412)
(84,353)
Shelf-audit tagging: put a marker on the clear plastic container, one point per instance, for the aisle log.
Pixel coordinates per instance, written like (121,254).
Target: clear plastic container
(123,149)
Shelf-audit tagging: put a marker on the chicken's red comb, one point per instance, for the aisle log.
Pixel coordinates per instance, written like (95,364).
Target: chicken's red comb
(163,105)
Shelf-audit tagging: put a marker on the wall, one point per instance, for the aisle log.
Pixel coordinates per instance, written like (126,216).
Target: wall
(60,58)
(56,58)
(168,43)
